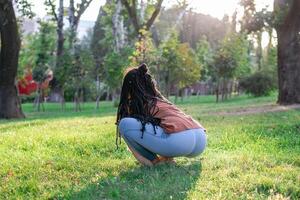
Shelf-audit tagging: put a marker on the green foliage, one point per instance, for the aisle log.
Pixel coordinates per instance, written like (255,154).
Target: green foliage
(179,64)
(145,50)
(204,54)
(25,8)
(240,48)
(28,53)
(231,60)
(258,84)
(109,63)
(61,73)
(270,63)
(51,8)
(165,49)
(81,77)
(189,69)
(37,51)
(115,63)
(100,42)
(255,20)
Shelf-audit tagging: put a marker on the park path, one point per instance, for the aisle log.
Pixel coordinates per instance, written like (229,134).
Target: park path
(259,109)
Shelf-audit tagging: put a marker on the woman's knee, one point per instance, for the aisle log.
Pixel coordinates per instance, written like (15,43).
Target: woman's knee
(127,124)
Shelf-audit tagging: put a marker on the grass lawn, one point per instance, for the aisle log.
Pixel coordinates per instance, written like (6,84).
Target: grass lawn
(69,155)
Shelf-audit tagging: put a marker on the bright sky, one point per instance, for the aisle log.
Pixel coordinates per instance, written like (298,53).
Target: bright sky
(218,8)
(215,8)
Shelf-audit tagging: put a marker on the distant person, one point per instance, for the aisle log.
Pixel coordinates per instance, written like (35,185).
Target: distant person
(154,129)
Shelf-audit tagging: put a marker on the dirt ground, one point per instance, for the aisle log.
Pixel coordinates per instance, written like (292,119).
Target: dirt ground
(261,109)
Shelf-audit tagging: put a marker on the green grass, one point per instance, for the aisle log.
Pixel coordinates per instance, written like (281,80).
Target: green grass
(69,155)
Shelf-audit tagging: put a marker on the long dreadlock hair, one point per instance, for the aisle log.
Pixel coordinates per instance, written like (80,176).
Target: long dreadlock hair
(138,99)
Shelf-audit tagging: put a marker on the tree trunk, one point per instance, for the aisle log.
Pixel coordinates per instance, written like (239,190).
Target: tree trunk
(118,27)
(98,92)
(176,95)
(107,98)
(73,26)
(217,91)
(132,12)
(182,93)
(230,88)
(10,106)
(62,100)
(259,50)
(223,90)
(98,102)
(289,54)
(39,100)
(77,106)
(60,34)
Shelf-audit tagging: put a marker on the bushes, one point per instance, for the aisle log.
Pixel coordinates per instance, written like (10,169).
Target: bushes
(258,84)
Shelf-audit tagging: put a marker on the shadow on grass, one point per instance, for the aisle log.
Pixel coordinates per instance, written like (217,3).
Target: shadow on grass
(161,182)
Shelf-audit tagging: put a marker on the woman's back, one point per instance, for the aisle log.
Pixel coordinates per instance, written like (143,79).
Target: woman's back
(173,119)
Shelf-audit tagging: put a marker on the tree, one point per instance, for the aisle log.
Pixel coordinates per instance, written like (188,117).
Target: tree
(145,50)
(230,61)
(80,77)
(119,31)
(36,54)
(59,19)
(204,55)
(74,18)
(132,12)
(179,65)
(287,25)
(98,45)
(168,20)
(111,45)
(59,69)
(115,64)
(10,106)
(196,25)
(141,26)
(254,23)
(62,57)
(45,49)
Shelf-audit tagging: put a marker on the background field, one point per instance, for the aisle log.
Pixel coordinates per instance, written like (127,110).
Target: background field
(72,155)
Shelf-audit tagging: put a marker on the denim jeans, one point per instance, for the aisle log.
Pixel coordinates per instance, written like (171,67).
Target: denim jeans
(188,143)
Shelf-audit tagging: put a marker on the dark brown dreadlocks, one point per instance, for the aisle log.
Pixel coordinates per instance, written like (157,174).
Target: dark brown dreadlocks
(138,98)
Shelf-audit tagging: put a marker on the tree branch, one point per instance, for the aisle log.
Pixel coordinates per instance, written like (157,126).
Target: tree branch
(132,13)
(81,8)
(52,6)
(154,14)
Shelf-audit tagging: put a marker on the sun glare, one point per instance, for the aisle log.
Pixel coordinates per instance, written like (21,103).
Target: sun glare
(218,8)
(215,8)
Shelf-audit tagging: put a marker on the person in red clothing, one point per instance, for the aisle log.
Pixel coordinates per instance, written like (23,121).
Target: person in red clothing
(154,129)
(27,85)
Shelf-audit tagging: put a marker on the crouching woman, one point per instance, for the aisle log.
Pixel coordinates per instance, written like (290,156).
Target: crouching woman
(154,129)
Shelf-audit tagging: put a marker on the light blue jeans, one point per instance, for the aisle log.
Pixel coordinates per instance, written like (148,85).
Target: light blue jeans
(188,143)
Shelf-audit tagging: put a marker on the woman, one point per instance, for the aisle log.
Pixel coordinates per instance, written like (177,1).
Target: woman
(151,125)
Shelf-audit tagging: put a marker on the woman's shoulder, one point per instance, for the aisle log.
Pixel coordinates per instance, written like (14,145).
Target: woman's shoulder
(164,105)
(164,102)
